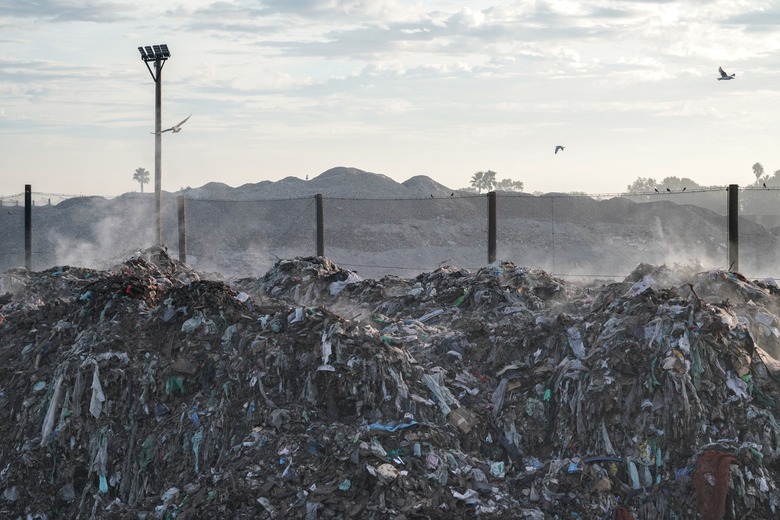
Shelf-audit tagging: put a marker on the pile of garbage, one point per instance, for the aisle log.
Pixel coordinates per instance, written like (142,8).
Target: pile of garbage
(146,391)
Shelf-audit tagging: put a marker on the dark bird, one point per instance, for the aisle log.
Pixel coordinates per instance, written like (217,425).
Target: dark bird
(723,75)
(764,185)
(684,188)
(431,195)
(452,194)
(559,148)
(175,128)
(656,190)
(667,189)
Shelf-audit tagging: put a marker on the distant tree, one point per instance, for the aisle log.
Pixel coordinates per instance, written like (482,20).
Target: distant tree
(509,185)
(758,171)
(770,180)
(677,184)
(141,176)
(646,185)
(642,185)
(484,181)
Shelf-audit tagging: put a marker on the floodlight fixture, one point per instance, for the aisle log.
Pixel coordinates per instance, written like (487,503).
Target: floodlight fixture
(157,54)
(154,52)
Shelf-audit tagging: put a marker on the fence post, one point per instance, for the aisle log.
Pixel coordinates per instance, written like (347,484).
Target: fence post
(28,227)
(733,227)
(182,230)
(320,226)
(491,227)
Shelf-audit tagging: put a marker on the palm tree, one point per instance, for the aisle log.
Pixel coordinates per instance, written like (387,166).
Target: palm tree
(758,171)
(484,180)
(142,176)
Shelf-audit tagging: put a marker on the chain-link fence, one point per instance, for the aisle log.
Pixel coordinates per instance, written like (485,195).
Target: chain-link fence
(570,235)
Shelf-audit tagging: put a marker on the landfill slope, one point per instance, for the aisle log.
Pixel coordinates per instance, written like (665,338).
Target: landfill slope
(147,391)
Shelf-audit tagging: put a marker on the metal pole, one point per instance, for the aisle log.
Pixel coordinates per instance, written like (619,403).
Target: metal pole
(28,227)
(320,226)
(158,150)
(733,227)
(552,225)
(182,230)
(491,227)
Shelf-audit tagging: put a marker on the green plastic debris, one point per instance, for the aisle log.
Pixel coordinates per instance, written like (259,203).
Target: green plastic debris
(147,453)
(462,298)
(173,384)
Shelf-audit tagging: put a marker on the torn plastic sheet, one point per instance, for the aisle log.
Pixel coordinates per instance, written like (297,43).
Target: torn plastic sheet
(98,397)
(51,412)
(327,350)
(337,287)
(391,426)
(444,398)
(575,342)
(737,385)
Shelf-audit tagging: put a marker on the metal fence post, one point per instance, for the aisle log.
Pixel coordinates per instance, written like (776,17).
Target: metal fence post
(733,227)
(182,230)
(491,227)
(320,226)
(28,227)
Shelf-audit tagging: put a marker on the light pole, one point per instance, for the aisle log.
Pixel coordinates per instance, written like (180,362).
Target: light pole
(158,54)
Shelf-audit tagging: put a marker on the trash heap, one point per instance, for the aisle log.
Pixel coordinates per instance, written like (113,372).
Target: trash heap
(147,391)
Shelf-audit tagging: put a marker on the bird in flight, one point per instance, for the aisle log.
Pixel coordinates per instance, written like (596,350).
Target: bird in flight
(175,128)
(723,75)
(559,148)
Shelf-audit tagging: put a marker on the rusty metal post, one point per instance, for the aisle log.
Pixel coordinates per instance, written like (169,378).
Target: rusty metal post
(28,227)
(733,227)
(320,226)
(491,227)
(182,230)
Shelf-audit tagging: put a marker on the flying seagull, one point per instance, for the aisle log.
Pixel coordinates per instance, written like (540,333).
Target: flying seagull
(175,128)
(559,148)
(723,75)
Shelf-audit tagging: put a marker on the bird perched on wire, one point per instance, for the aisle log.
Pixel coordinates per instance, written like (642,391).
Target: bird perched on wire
(175,128)
(559,148)
(724,76)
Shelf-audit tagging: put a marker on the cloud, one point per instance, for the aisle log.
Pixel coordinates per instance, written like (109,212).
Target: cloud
(68,11)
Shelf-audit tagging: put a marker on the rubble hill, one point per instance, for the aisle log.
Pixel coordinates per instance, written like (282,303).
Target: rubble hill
(144,391)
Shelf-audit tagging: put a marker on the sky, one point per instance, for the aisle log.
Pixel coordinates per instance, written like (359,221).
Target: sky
(280,88)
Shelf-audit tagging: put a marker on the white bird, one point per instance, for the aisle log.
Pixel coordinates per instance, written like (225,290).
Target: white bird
(559,148)
(723,75)
(175,128)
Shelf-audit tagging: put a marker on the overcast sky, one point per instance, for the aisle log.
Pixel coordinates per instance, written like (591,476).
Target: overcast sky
(281,88)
